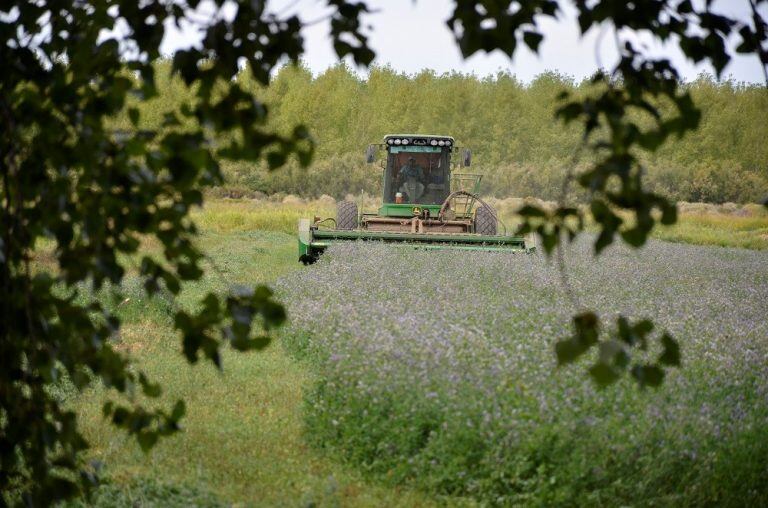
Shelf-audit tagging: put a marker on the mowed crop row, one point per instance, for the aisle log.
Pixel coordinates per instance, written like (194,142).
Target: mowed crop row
(436,369)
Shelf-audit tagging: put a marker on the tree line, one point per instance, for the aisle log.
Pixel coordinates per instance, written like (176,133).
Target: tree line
(517,144)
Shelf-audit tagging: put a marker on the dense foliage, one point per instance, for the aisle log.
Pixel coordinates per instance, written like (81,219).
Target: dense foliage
(451,386)
(70,181)
(518,145)
(637,106)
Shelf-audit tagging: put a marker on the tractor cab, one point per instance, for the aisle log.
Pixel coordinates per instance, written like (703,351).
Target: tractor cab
(416,171)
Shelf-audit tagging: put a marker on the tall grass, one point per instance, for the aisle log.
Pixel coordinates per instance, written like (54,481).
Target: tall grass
(242,442)
(437,369)
(228,216)
(724,230)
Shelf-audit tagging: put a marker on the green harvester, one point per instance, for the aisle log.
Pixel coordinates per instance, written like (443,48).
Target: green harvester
(427,203)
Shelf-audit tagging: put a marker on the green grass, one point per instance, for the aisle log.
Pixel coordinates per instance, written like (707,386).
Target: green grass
(147,493)
(723,230)
(242,441)
(226,215)
(744,226)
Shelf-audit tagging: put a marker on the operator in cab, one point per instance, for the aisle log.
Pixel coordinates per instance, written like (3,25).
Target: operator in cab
(411,178)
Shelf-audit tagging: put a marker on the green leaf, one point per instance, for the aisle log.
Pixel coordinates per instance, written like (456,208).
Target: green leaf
(603,374)
(669,214)
(276,159)
(568,351)
(587,324)
(671,353)
(635,237)
(532,40)
(548,241)
(604,239)
(245,344)
(647,375)
(179,410)
(152,390)
(685,7)
(625,330)
(120,416)
(531,211)
(133,115)
(643,327)
(147,439)
(569,112)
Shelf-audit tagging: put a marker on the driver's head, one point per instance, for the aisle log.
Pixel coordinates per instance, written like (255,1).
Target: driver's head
(411,160)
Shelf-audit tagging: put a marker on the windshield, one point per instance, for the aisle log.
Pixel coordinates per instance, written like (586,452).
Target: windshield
(419,174)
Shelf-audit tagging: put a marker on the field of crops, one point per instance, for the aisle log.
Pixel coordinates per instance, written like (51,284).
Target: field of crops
(409,378)
(436,369)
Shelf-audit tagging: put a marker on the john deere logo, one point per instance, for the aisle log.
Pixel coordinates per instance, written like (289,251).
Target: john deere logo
(416,210)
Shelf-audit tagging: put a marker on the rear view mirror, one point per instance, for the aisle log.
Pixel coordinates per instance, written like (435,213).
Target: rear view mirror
(370,154)
(466,156)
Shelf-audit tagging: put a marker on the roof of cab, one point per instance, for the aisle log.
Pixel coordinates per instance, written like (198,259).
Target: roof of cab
(428,136)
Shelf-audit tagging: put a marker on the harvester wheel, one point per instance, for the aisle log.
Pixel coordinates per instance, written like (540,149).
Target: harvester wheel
(485,221)
(346,215)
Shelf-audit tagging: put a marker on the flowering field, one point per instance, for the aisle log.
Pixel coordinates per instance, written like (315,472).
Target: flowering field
(436,369)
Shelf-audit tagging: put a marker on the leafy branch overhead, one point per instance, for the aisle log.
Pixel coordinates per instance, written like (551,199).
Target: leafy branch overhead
(615,353)
(94,193)
(621,117)
(624,96)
